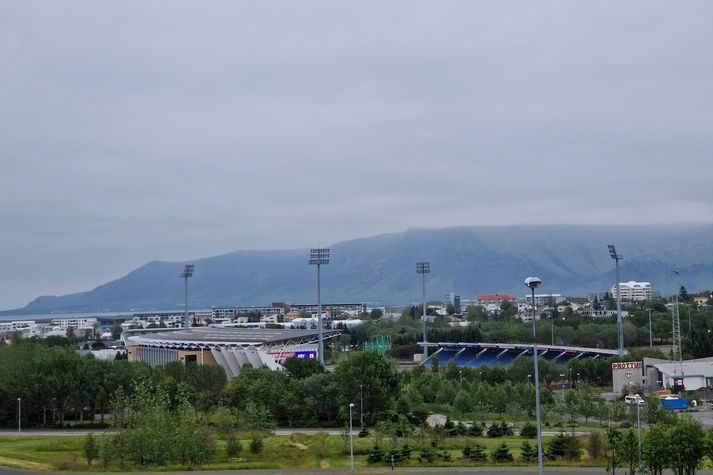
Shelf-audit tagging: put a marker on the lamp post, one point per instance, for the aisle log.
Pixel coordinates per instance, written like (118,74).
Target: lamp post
(319,257)
(424,268)
(528,379)
(620,326)
(187,272)
(351,435)
(19,415)
(532,283)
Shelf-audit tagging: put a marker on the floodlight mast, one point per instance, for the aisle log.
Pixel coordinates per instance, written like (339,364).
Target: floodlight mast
(319,257)
(676,323)
(424,268)
(619,323)
(532,283)
(187,272)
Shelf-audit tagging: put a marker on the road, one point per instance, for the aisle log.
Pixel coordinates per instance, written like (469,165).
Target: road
(83,432)
(364,471)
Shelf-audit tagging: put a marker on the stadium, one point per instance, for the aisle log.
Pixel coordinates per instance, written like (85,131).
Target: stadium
(231,348)
(494,354)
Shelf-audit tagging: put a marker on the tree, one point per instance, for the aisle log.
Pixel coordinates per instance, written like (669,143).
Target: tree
(302,368)
(656,448)
(376,313)
(528,452)
(683,294)
(450,309)
(623,450)
(502,454)
(687,446)
(528,431)
(475,453)
(91,448)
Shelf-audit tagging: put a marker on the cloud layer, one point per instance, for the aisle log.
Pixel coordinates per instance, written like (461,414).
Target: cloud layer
(134,131)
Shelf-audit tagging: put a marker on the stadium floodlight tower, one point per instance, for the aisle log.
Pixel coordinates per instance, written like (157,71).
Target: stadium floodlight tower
(532,283)
(620,325)
(424,268)
(319,257)
(187,272)
(676,322)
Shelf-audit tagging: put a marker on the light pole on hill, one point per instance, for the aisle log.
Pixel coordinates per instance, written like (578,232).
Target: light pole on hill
(351,435)
(620,325)
(424,268)
(319,257)
(532,283)
(187,272)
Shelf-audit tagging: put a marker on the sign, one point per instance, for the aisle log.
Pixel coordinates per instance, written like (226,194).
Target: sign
(628,374)
(311,355)
(678,381)
(628,365)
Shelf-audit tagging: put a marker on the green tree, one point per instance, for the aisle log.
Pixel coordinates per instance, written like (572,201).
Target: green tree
(376,313)
(528,452)
(656,448)
(450,309)
(502,453)
(91,448)
(302,368)
(379,381)
(687,446)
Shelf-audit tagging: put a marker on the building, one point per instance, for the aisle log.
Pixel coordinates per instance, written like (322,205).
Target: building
(653,374)
(453,299)
(231,348)
(543,299)
(74,322)
(495,299)
(633,290)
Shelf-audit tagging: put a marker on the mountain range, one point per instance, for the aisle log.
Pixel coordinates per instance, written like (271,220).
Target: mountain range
(570,259)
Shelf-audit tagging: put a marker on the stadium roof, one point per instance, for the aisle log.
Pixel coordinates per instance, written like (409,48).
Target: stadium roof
(211,336)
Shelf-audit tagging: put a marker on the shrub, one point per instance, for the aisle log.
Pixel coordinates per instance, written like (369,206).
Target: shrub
(528,452)
(528,431)
(91,448)
(427,455)
(375,454)
(475,429)
(502,454)
(475,453)
(256,445)
(233,446)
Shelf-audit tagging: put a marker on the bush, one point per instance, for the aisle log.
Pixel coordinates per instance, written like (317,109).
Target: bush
(91,448)
(528,431)
(502,454)
(375,454)
(528,452)
(475,429)
(256,445)
(563,446)
(427,455)
(500,430)
(233,447)
(475,453)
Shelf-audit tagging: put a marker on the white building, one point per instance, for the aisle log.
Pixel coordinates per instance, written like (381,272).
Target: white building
(542,299)
(74,322)
(633,290)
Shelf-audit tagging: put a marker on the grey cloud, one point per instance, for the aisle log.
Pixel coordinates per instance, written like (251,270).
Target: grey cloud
(142,130)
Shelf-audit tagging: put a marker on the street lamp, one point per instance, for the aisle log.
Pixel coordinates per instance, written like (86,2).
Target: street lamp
(319,257)
(351,435)
(528,379)
(620,326)
(424,268)
(187,272)
(19,415)
(532,283)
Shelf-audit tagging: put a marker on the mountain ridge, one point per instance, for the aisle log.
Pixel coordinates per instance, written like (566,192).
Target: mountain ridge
(468,260)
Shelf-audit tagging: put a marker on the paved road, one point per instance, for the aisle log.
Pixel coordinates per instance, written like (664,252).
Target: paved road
(363,471)
(83,432)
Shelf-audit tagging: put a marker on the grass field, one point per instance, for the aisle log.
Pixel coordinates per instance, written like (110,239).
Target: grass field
(280,452)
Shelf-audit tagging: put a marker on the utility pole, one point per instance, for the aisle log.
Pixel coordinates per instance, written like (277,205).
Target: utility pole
(319,257)
(187,272)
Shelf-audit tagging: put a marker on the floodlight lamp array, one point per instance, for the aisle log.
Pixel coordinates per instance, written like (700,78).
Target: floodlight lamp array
(319,256)
(423,267)
(188,271)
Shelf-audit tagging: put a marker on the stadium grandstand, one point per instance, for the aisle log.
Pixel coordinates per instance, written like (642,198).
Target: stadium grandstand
(231,348)
(502,354)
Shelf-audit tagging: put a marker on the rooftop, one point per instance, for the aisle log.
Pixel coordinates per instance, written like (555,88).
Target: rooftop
(230,336)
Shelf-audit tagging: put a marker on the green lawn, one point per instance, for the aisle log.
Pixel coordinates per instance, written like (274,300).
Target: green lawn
(280,452)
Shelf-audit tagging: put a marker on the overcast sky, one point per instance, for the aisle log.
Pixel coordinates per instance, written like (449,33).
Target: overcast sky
(135,130)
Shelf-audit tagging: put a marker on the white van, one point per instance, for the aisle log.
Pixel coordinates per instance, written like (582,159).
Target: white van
(632,399)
